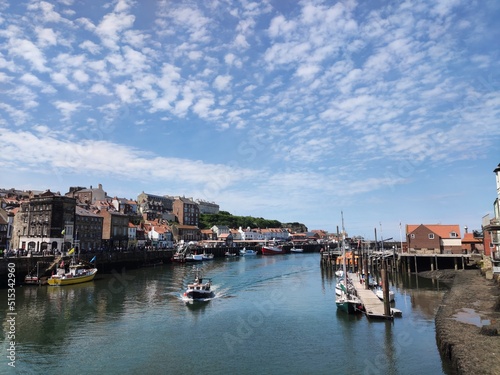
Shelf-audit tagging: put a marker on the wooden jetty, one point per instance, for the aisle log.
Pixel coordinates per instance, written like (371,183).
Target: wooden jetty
(374,307)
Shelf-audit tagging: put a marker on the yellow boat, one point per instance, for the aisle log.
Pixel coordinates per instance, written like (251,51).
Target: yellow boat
(78,273)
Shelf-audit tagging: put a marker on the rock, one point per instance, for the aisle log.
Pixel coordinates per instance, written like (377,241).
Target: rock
(489,330)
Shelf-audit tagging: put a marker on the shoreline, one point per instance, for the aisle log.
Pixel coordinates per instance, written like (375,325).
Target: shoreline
(468,322)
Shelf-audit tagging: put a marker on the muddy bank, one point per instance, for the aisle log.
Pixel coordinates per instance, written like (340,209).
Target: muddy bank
(467,322)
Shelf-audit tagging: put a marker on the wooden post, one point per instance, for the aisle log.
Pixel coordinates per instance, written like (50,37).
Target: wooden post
(455,262)
(416,270)
(367,275)
(385,290)
(436,258)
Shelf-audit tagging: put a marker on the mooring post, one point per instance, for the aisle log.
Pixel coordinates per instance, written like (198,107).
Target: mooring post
(385,290)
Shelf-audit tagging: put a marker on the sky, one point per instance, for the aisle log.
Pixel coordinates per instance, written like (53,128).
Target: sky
(385,112)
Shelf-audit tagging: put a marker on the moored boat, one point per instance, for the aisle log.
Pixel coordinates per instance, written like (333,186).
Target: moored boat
(207,256)
(380,294)
(345,297)
(179,257)
(272,250)
(245,252)
(194,258)
(78,273)
(296,250)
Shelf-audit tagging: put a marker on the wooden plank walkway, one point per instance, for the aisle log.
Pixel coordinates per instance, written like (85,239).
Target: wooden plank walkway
(374,307)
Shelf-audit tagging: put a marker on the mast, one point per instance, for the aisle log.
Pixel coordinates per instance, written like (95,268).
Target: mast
(343,250)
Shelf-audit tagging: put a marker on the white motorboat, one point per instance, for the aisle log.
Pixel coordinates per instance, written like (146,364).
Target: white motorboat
(206,256)
(296,250)
(380,294)
(194,257)
(198,290)
(245,252)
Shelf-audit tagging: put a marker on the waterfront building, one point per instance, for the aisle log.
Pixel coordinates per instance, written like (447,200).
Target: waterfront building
(491,228)
(186,211)
(208,235)
(88,230)
(185,233)
(275,234)
(472,243)
(160,236)
(46,223)
(250,234)
(221,231)
(114,229)
(434,239)
(4,227)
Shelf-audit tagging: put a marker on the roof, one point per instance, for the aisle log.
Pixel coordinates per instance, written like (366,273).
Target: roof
(442,231)
(469,237)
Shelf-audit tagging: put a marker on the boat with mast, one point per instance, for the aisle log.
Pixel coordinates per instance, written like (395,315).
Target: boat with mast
(345,299)
(79,272)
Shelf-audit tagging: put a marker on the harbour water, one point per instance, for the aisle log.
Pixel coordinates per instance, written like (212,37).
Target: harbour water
(271,315)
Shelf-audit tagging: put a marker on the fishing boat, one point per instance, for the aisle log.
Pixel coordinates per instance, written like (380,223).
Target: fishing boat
(78,273)
(244,252)
(198,290)
(272,250)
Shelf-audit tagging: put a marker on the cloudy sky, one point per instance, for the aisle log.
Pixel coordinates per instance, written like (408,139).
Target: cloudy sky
(287,110)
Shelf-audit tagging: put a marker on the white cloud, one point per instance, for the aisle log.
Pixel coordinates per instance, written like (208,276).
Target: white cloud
(90,46)
(29,51)
(112,26)
(222,82)
(67,108)
(46,37)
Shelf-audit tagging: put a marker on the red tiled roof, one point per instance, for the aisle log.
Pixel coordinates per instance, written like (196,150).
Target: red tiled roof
(442,231)
(469,237)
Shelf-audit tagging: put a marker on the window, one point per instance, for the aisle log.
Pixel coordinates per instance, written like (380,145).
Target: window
(431,236)
(412,235)
(453,235)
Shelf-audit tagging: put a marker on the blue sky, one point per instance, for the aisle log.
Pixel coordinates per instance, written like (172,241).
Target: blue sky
(287,110)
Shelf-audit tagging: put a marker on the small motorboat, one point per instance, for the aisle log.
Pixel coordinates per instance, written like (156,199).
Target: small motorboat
(206,256)
(296,250)
(194,257)
(245,252)
(380,294)
(199,290)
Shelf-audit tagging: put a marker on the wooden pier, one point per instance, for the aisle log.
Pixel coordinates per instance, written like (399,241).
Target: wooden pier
(374,307)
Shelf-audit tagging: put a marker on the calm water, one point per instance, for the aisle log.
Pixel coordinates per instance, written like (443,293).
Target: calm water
(271,315)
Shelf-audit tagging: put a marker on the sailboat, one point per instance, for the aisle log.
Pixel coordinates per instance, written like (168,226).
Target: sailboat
(345,299)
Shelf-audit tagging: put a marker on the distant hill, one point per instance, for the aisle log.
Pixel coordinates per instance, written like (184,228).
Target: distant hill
(207,221)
